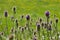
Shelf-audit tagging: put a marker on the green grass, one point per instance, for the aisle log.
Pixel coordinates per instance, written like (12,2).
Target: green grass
(35,8)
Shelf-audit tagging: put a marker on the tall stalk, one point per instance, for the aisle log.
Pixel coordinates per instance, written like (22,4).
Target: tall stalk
(6,15)
(47,16)
(57,29)
(43,30)
(47,28)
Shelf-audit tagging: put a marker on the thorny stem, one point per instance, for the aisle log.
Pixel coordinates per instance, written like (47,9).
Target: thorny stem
(43,33)
(47,27)
(57,31)
(29,28)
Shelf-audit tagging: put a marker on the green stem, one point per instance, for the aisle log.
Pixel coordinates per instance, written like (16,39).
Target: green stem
(47,28)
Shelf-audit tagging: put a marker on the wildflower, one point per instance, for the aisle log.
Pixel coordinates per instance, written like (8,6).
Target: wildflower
(6,14)
(42,24)
(38,27)
(47,13)
(40,20)
(56,20)
(12,30)
(22,16)
(50,22)
(22,30)
(45,25)
(14,9)
(16,21)
(27,17)
(34,33)
(49,28)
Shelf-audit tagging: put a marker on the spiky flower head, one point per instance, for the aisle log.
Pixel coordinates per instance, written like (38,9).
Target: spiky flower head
(6,13)
(14,9)
(49,28)
(28,17)
(40,20)
(56,20)
(38,27)
(42,24)
(47,13)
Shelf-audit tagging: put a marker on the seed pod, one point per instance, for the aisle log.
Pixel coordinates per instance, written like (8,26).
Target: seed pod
(34,33)
(40,20)
(22,16)
(14,9)
(42,24)
(50,22)
(45,25)
(16,23)
(56,20)
(49,28)
(27,17)
(22,30)
(47,13)
(38,27)
(6,14)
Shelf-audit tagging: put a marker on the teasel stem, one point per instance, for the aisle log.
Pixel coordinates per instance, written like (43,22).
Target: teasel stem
(38,30)
(51,34)
(29,29)
(47,13)
(14,12)
(57,29)
(43,30)
(6,15)
(6,26)
(24,36)
(28,24)
(47,27)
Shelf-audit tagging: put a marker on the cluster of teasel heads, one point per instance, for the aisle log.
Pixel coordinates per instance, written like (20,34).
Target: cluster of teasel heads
(43,31)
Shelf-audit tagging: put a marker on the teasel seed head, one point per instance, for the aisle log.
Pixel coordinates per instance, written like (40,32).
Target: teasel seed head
(56,20)
(47,13)
(6,13)
(28,17)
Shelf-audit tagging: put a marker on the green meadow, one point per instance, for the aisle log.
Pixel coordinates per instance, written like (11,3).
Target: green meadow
(35,8)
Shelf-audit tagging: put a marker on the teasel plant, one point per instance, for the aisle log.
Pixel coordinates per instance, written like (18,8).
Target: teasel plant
(14,13)
(23,34)
(6,28)
(16,28)
(16,23)
(56,27)
(50,31)
(43,31)
(47,13)
(28,24)
(38,30)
